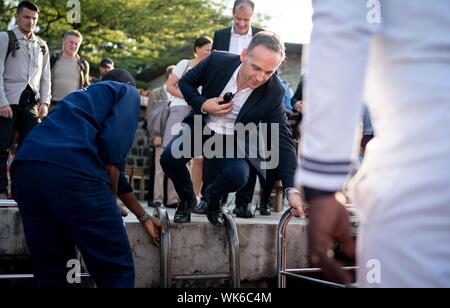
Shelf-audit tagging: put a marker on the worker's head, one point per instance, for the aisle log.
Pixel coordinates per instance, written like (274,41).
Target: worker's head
(120,75)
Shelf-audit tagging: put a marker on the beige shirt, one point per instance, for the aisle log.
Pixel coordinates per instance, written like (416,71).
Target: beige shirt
(29,67)
(65,77)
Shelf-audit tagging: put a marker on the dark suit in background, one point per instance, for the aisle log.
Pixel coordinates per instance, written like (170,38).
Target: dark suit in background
(221,40)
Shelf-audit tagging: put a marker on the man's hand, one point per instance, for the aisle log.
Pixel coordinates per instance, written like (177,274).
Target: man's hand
(157,141)
(153,227)
(295,202)
(212,106)
(123,213)
(6,112)
(329,221)
(299,106)
(43,110)
(114,174)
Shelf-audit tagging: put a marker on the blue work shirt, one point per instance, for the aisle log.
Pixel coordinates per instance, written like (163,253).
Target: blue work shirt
(89,129)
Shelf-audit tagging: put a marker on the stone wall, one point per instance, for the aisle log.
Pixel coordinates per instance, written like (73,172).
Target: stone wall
(139,163)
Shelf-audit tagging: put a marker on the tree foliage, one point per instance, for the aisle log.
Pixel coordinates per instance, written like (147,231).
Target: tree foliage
(137,34)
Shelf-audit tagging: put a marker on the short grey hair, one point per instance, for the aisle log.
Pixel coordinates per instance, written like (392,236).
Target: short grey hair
(270,40)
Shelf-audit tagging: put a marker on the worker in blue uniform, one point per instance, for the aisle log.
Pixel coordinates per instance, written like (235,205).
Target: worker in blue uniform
(67,174)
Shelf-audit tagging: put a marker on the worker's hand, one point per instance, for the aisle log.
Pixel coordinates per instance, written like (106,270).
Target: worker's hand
(299,106)
(212,106)
(114,174)
(329,221)
(157,141)
(295,202)
(6,112)
(123,213)
(43,110)
(153,227)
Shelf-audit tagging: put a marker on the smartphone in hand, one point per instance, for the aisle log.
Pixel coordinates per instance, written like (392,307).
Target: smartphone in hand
(227,98)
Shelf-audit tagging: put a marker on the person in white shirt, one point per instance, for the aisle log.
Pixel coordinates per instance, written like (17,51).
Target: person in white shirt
(179,109)
(24,83)
(237,37)
(160,96)
(401,67)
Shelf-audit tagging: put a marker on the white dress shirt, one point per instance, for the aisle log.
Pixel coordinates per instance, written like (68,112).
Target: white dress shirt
(224,125)
(239,42)
(28,67)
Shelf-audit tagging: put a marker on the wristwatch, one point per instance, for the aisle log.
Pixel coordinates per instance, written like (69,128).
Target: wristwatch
(291,190)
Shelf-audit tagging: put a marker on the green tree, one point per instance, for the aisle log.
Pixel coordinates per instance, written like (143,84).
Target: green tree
(137,34)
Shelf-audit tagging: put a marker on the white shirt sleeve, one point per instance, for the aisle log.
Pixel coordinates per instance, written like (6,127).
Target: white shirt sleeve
(338,57)
(45,82)
(180,68)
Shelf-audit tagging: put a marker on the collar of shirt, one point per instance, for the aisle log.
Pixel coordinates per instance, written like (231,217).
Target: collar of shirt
(249,33)
(20,36)
(224,125)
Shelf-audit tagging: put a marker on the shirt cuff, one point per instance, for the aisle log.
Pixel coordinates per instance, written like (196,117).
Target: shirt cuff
(201,109)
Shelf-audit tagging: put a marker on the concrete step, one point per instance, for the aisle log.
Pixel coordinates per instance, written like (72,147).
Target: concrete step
(197,247)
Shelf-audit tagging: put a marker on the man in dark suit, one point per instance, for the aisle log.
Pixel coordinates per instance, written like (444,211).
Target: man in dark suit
(258,98)
(234,39)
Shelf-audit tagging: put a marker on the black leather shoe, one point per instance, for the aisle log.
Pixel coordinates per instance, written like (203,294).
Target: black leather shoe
(155,204)
(243,212)
(183,212)
(172,206)
(201,208)
(264,209)
(215,216)
(214,211)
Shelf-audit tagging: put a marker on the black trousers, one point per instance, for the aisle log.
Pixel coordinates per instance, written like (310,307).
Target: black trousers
(224,175)
(25,117)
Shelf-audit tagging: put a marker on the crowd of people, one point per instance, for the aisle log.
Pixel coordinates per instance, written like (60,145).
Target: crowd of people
(69,167)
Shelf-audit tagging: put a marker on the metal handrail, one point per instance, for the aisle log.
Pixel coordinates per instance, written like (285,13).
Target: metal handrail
(283,272)
(233,245)
(166,245)
(5,203)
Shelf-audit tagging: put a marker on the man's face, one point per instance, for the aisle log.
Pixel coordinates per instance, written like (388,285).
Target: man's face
(258,66)
(71,45)
(105,69)
(26,20)
(242,19)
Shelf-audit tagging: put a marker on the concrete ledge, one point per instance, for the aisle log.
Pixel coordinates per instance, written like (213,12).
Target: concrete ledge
(197,248)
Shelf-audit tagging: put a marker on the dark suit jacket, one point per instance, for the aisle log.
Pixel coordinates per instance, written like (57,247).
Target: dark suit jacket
(222,38)
(265,105)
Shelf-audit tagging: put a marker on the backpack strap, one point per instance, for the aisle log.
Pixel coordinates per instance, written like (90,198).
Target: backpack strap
(83,65)
(13,44)
(42,44)
(55,56)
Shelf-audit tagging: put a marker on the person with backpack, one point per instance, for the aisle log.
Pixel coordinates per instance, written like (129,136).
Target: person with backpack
(69,70)
(24,83)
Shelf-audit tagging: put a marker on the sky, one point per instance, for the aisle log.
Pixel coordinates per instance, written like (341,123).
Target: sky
(291,19)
